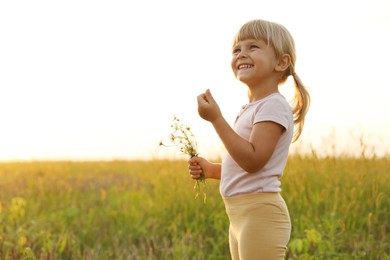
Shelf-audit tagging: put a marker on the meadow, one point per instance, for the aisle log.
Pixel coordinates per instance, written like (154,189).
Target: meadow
(339,206)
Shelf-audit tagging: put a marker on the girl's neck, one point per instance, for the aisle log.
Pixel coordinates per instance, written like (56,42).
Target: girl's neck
(258,93)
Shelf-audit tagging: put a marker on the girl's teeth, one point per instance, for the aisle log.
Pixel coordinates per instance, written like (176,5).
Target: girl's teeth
(244,66)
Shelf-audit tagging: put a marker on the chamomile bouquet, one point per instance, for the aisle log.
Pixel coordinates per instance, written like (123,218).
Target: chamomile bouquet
(182,137)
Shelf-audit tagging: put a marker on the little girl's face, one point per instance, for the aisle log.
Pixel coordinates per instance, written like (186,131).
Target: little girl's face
(252,61)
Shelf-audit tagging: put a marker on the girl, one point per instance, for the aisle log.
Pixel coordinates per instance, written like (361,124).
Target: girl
(263,57)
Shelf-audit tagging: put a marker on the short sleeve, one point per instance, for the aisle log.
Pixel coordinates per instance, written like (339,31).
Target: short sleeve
(275,109)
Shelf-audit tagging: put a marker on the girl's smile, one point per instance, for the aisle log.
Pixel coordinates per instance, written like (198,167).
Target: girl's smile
(244,66)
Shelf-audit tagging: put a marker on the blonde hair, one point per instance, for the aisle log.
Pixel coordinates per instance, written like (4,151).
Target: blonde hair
(280,39)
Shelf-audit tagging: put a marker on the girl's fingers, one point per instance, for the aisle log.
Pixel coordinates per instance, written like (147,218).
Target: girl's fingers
(194,160)
(195,177)
(194,168)
(195,171)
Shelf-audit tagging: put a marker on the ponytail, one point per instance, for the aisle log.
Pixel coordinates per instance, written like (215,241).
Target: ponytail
(300,106)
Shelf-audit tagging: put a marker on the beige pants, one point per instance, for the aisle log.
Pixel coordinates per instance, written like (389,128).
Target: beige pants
(260,226)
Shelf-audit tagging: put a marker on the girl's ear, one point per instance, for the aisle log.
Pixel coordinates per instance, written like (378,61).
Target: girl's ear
(283,63)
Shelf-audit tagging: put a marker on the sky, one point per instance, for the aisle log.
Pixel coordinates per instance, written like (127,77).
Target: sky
(101,80)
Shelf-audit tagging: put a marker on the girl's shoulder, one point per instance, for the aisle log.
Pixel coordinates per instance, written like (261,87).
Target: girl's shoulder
(273,99)
(274,104)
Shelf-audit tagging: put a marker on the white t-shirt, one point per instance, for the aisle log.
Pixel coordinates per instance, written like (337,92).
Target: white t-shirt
(235,180)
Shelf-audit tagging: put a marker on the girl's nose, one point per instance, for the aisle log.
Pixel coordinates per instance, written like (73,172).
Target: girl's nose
(242,54)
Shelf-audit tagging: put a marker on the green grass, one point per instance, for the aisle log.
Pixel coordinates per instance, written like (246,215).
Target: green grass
(340,209)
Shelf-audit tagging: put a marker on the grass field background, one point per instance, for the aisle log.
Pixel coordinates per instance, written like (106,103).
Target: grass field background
(339,206)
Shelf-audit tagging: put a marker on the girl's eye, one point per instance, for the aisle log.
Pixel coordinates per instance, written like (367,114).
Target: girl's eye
(235,51)
(254,47)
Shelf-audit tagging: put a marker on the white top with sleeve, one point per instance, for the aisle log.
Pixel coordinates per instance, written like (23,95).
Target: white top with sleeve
(235,180)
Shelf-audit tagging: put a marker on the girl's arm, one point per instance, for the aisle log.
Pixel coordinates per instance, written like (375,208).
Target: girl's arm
(252,154)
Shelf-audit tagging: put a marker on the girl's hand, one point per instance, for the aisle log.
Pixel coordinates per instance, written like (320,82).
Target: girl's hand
(195,167)
(208,109)
(199,167)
